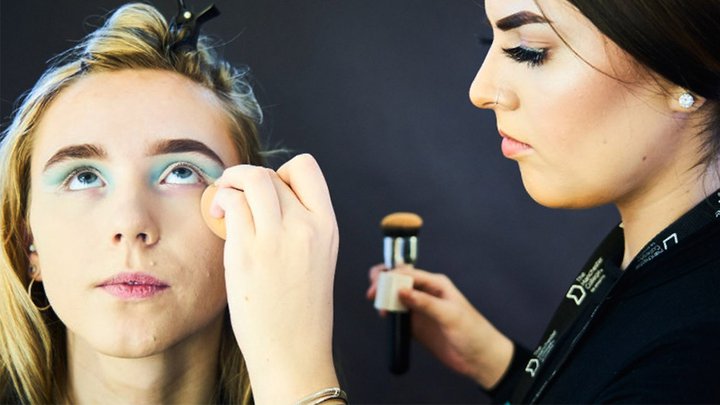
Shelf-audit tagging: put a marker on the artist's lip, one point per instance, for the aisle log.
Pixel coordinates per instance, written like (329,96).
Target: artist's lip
(512,147)
(133,285)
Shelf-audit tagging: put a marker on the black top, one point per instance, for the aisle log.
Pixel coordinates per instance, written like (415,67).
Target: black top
(655,338)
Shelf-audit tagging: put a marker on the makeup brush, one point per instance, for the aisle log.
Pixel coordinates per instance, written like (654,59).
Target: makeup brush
(400,232)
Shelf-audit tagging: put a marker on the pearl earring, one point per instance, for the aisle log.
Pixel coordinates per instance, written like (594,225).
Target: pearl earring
(32,248)
(686,100)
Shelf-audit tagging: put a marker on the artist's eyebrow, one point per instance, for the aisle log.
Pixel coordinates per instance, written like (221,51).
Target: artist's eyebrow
(84,151)
(519,19)
(183,146)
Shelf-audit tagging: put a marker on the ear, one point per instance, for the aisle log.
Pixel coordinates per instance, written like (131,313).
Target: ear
(34,259)
(684,101)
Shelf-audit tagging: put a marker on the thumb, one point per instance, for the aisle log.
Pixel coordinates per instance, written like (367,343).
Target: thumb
(424,303)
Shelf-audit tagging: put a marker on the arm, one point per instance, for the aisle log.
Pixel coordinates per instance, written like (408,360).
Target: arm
(280,254)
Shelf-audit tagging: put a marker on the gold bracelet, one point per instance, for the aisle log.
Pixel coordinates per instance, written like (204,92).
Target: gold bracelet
(323,396)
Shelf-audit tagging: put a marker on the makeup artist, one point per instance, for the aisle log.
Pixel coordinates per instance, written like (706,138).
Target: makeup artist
(114,290)
(603,102)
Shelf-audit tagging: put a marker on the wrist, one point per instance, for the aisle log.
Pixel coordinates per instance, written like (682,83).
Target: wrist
(287,389)
(285,379)
(327,396)
(494,363)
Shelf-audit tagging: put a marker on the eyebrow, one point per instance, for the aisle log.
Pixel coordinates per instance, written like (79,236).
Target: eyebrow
(84,151)
(166,146)
(519,19)
(183,146)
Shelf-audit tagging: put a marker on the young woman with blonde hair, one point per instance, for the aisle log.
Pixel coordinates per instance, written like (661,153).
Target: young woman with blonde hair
(114,289)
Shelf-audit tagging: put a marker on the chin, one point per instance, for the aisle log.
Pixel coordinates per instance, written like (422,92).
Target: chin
(140,334)
(123,338)
(132,345)
(560,196)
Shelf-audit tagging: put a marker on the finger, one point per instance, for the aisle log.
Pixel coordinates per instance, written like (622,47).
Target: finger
(375,271)
(371,291)
(422,302)
(373,275)
(433,283)
(234,207)
(259,191)
(305,178)
(211,213)
(287,199)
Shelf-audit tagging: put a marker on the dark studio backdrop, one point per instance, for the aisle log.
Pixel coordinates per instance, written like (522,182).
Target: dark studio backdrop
(377,92)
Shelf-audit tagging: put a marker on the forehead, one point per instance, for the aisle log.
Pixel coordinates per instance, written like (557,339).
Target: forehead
(131,109)
(562,14)
(496,9)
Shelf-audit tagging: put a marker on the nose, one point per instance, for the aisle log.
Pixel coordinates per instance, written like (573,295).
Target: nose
(134,222)
(489,89)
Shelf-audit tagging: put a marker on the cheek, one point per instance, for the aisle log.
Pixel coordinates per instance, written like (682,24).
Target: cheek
(578,128)
(576,112)
(65,232)
(203,275)
(194,245)
(180,219)
(67,240)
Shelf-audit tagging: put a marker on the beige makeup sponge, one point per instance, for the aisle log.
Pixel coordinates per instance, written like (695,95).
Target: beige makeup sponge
(217,225)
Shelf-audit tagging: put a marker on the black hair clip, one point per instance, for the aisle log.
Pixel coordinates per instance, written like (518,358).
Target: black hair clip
(185,27)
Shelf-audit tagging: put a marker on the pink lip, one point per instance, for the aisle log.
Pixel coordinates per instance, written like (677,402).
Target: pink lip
(511,146)
(133,285)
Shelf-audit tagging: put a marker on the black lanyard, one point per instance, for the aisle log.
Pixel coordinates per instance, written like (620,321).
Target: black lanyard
(592,287)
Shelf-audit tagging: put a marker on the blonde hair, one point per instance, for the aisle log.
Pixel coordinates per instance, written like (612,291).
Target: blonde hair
(136,36)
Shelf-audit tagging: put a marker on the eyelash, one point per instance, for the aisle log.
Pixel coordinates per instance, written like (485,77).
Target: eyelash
(534,57)
(201,173)
(71,176)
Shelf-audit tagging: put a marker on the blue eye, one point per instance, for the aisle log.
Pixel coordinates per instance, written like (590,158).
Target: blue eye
(532,56)
(83,178)
(184,173)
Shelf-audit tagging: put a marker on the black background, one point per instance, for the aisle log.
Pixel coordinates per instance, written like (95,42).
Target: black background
(377,92)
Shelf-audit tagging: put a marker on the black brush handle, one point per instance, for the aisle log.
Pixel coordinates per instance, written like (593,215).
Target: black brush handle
(399,249)
(399,328)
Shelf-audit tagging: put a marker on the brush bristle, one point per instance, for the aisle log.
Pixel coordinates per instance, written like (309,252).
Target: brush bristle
(401,224)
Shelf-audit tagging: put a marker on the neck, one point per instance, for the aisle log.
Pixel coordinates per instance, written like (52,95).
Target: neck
(187,372)
(646,215)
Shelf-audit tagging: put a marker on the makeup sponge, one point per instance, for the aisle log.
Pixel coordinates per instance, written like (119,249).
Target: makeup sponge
(217,225)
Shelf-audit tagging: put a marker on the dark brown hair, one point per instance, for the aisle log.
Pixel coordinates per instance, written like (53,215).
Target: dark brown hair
(676,39)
